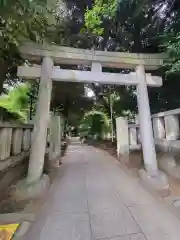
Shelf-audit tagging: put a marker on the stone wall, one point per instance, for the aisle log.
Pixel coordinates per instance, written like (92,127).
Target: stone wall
(166,129)
(15,143)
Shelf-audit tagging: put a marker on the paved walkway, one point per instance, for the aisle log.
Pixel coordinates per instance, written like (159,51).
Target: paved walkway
(93,198)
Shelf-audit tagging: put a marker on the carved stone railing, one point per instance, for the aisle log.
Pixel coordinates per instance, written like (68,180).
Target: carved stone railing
(167,139)
(15,143)
(167,130)
(134,136)
(166,125)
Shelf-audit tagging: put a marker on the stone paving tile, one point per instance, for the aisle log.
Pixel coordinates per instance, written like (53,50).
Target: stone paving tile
(70,198)
(108,216)
(66,227)
(100,187)
(102,196)
(128,187)
(72,202)
(113,221)
(130,191)
(89,202)
(138,236)
(156,222)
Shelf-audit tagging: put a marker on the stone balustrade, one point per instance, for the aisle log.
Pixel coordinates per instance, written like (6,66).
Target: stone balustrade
(166,132)
(166,125)
(15,142)
(134,136)
(166,129)
(16,146)
(167,139)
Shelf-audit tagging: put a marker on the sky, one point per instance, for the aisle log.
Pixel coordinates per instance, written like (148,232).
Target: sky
(89,93)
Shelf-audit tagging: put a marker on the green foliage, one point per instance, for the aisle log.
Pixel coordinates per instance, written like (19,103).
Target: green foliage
(111,25)
(135,26)
(101,9)
(125,25)
(172,45)
(95,123)
(20,20)
(16,101)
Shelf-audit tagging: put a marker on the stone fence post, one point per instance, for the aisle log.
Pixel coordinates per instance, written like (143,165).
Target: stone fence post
(55,138)
(122,139)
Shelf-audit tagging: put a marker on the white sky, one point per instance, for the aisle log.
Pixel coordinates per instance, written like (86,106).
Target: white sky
(89,93)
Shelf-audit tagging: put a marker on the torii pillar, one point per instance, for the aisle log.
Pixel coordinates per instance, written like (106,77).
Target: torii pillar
(152,175)
(36,161)
(146,130)
(36,182)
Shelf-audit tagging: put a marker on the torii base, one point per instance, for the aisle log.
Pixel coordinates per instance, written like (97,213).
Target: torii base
(25,190)
(158,183)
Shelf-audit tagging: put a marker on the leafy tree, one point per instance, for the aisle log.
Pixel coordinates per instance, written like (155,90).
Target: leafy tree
(124,25)
(101,11)
(19,20)
(16,101)
(138,26)
(23,20)
(95,123)
(172,44)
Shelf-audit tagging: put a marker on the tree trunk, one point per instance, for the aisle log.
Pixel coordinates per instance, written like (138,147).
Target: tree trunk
(3,72)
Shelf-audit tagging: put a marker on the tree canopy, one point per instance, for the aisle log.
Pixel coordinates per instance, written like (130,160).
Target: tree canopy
(95,123)
(147,26)
(16,102)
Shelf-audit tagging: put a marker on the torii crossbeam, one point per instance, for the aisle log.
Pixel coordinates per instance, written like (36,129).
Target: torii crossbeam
(88,76)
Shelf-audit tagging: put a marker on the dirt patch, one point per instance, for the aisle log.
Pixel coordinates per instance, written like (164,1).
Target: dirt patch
(9,204)
(108,146)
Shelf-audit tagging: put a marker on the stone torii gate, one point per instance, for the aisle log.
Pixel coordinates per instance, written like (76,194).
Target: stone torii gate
(49,56)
